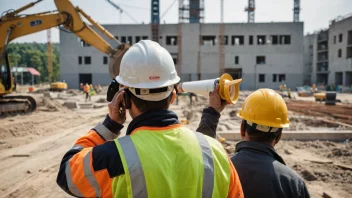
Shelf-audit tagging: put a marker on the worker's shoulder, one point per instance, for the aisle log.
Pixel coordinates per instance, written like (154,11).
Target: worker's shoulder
(212,142)
(283,170)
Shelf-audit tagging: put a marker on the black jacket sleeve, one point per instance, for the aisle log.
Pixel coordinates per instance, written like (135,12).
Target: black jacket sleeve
(209,122)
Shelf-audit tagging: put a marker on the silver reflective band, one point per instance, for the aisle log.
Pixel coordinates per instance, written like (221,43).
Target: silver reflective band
(208,178)
(71,186)
(139,187)
(105,132)
(77,147)
(89,174)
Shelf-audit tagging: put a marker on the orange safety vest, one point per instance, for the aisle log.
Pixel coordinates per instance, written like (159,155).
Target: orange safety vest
(86,88)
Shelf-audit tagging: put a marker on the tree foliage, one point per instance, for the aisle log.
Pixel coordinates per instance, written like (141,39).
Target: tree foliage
(35,55)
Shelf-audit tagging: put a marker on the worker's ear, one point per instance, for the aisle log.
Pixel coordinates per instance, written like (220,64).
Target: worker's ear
(277,139)
(173,97)
(243,129)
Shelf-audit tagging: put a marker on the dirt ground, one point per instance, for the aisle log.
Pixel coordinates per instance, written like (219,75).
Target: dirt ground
(31,146)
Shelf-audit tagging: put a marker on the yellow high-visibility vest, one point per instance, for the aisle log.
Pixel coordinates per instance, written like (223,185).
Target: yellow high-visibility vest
(171,161)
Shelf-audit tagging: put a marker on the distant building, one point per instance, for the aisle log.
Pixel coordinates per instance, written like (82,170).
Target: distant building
(340,51)
(332,57)
(310,44)
(263,54)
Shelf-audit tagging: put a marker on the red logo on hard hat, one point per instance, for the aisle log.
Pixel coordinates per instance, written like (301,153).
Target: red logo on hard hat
(154,77)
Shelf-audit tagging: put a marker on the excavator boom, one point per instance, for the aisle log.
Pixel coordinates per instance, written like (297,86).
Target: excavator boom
(14,25)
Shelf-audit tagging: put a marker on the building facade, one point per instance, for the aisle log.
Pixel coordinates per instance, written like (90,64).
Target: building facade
(310,45)
(263,54)
(332,57)
(340,51)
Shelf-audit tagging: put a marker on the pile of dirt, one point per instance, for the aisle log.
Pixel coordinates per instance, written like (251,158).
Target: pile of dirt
(324,165)
(101,100)
(74,92)
(23,128)
(51,105)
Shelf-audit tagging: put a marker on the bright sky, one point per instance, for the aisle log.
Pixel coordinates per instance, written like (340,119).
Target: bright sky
(316,14)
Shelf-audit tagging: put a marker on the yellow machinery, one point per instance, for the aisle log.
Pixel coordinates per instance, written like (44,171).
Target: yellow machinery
(320,96)
(58,86)
(14,25)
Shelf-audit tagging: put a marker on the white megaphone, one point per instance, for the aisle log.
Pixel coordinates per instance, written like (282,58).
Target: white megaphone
(229,88)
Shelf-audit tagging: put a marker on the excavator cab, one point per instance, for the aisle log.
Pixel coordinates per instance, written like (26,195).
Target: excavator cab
(5,77)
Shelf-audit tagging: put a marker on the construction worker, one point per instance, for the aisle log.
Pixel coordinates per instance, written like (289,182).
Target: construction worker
(91,91)
(263,173)
(81,86)
(86,90)
(158,157)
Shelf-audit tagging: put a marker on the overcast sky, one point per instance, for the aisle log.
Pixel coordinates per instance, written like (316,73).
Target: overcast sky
(315,14)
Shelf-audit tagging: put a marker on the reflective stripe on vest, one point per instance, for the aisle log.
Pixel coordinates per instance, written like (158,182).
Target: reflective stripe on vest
(71,186)
(139,188)
(89,174)
(136,173)
(208,178)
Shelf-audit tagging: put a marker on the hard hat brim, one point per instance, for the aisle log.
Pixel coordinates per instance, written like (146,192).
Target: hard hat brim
(149,85)
(265,123)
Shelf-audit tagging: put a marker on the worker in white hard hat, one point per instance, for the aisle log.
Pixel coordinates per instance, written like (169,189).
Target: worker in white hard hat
(263,173)
(158,157)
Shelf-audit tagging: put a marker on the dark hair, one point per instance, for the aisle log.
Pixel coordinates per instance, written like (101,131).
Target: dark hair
(145,106)
(260,136)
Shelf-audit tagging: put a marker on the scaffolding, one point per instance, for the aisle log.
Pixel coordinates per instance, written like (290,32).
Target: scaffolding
(50,55)
(155,20)
(191,11)
(250,9)
(179,48)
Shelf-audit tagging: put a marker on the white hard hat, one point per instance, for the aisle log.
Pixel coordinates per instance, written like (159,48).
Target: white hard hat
(148,70)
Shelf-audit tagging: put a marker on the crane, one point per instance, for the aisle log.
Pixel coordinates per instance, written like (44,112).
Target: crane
(296,10)
(250,9)
(14,25)
(50,55)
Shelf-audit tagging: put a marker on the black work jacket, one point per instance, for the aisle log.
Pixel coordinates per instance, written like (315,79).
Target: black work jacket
(263,173)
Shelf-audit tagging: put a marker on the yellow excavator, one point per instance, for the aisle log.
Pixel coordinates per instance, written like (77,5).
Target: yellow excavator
(14,25)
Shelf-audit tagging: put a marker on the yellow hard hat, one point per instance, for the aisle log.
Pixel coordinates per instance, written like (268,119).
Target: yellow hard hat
(265,107)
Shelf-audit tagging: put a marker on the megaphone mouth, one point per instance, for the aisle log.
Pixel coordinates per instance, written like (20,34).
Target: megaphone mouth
(229,88)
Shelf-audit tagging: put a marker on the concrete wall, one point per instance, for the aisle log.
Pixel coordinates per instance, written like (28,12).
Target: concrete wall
(280,59)
(339,64)
(309,44)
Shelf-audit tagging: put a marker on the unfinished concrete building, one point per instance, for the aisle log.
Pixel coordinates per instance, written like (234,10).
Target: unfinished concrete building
(310,46)
(263,54)
(321,66)
(332,57)
(340,51)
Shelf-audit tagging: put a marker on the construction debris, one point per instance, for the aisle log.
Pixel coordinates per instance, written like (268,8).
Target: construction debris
(20,155)
(323,164)
(340,113)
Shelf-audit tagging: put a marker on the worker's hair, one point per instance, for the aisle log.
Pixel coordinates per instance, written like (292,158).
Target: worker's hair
(145,106)
(260,136)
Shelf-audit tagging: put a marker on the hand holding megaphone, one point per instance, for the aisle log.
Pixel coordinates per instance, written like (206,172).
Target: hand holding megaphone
(229,88)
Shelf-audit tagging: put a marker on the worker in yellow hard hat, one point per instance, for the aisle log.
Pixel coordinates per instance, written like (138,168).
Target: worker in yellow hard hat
(158,157)
(263,173)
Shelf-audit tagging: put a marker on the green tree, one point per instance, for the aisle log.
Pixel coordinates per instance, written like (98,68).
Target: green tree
(35,55)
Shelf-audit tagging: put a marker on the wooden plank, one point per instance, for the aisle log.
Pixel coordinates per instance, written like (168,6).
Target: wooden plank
(335,122)
(343,166)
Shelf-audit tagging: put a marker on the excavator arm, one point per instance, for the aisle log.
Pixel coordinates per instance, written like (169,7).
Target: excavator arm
(13,25)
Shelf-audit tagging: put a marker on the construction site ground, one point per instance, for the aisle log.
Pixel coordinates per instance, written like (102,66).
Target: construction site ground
(32,146)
